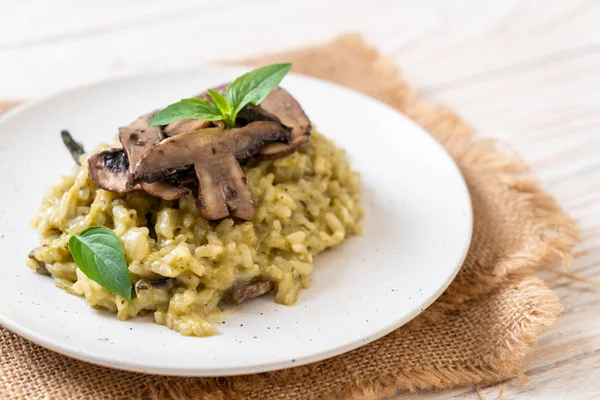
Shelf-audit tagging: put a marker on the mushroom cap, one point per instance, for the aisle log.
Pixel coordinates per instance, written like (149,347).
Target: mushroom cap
(137,138)
(113,169)
(109,170)
(281,104)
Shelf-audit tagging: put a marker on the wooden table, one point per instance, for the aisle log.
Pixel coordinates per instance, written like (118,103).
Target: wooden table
(525,72)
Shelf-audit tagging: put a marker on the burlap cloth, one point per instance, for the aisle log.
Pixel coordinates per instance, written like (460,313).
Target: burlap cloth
(477,332)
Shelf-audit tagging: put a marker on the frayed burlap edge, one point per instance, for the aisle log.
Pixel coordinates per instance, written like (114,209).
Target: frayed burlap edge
(555,233)
(487,284)
(502,363)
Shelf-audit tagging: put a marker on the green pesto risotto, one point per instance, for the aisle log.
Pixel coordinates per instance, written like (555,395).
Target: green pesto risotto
(184,267)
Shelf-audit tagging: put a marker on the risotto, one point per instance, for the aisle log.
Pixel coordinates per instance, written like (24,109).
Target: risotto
(185,267)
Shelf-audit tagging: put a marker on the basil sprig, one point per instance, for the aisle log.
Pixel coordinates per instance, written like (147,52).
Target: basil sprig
(98,253)
(250,88)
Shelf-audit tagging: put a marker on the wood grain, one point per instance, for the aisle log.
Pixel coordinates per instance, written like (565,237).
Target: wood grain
(524,72)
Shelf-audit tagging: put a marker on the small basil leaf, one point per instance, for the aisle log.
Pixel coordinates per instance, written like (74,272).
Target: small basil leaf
(255,85)
(98,253)
(187,109)
(223,107)
(220,101)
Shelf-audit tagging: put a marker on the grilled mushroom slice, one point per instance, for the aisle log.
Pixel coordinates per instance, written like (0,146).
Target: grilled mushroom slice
(214,153)
(165,284)
(165,190)
(287,110)
(41,267)
(113,169)
(279,106)
(109,170)
(185,126)
(242,292)
(137,138)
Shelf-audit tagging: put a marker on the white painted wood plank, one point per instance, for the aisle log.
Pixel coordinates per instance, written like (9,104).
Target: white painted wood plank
(528,33)
(550,383)
(435,42)
(34,22)
(191,39)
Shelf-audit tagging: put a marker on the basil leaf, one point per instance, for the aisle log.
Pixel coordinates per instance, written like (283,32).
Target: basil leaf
(98,253)
(187,109)
(220,101)
(254,86)
(250,88)
(224,107)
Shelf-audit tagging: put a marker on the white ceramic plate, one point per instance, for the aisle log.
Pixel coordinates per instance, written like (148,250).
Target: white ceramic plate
(417,229)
